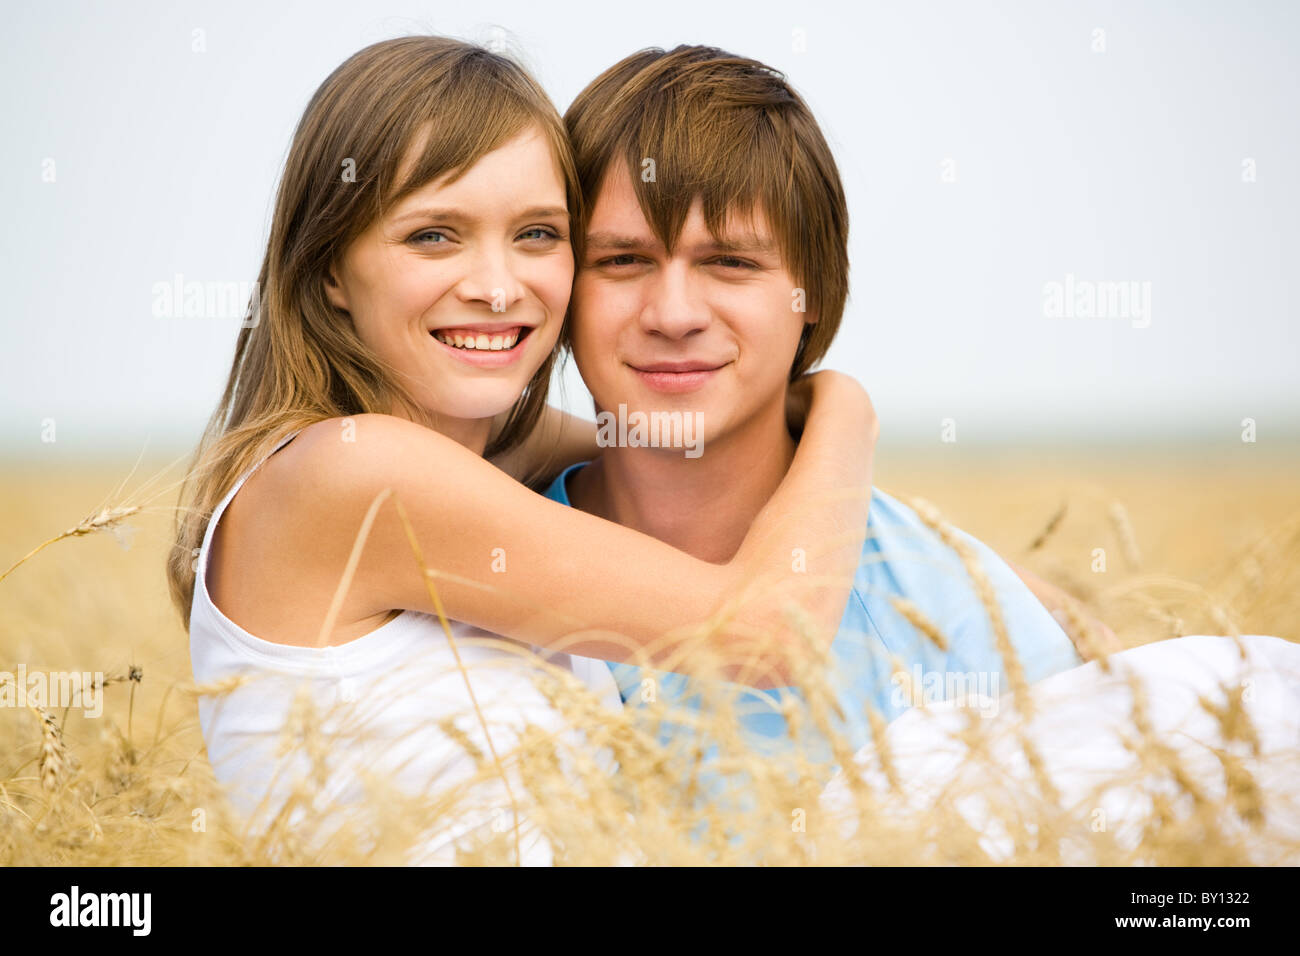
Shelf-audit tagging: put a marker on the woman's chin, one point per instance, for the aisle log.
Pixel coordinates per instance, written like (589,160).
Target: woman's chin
(475,408)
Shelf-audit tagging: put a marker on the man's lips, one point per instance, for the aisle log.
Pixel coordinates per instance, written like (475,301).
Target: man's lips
(676,377)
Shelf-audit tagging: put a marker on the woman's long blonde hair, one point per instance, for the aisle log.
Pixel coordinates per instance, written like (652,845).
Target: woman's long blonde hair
(298,359)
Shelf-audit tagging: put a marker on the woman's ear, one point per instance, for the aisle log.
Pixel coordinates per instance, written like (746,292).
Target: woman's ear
(334,290)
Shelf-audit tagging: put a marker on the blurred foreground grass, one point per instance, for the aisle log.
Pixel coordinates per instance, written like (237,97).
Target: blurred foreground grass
(1194,543)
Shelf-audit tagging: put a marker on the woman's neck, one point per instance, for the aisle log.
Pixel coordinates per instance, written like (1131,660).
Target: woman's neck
(473,433)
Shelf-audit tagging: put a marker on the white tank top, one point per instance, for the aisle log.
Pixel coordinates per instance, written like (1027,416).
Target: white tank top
(393,719)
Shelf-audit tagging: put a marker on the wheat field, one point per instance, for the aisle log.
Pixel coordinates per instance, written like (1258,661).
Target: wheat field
(1195,542)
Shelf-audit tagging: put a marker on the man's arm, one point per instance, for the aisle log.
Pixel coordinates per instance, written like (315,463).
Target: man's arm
(1103,639)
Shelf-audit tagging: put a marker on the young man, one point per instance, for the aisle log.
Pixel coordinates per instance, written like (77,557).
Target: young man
(712,271)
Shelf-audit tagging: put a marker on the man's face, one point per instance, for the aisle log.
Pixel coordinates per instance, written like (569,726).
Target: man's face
(710,329)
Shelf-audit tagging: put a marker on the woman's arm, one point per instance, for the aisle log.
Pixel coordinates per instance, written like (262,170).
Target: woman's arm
(557,441)
(510,561)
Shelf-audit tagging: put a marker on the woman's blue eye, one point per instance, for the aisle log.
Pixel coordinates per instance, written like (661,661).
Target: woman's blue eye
(424,236)
(543,232)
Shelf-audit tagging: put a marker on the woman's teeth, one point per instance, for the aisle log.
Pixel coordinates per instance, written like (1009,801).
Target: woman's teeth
(495,343)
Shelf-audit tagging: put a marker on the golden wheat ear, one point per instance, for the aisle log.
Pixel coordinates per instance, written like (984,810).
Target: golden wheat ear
(105,519)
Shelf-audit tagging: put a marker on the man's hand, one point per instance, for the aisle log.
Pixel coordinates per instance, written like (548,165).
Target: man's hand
(798,399)
(1100,639)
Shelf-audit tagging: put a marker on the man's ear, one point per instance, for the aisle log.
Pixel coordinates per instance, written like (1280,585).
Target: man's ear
(334,290)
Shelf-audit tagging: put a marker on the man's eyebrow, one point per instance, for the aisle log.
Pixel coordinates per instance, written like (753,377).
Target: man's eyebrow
(458,215)
(616,240)
(750,244)
(743,243)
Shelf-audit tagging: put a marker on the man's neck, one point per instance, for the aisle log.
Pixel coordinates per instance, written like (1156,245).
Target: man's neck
(703,506)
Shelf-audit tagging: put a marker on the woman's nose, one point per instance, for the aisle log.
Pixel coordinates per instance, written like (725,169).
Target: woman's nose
(490,278)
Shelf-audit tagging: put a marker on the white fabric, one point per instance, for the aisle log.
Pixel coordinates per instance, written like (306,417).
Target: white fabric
(1081,718)
(379,701)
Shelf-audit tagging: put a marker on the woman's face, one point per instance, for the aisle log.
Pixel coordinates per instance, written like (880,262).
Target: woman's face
(462,286)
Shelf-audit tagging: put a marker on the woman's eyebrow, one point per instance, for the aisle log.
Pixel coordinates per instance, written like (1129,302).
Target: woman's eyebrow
(448,214)
(545,212)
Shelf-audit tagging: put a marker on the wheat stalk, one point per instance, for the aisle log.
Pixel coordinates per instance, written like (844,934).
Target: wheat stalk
(917,618)
(53,759)
(1127,538)
(1081,629)
(1052,524)
(102,520)
(929,514)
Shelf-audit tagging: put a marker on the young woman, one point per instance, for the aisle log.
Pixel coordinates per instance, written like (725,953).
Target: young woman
(416,279)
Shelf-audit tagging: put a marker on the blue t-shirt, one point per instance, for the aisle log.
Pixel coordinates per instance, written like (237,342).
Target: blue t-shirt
(901,557)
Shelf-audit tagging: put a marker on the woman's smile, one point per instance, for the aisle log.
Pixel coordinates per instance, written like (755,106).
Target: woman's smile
(486,345)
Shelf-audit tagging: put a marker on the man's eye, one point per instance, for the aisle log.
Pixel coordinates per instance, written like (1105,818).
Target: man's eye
(623,260)
(731,262)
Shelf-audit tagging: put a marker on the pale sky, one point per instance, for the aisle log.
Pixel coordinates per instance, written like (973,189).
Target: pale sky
(988,150)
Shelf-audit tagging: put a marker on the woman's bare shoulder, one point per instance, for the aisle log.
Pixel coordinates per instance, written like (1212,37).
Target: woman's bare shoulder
(335,451)
(313,489)
(307,476)
(334,468)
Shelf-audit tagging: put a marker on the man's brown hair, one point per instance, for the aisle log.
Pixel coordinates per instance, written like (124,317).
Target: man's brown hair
(731,131)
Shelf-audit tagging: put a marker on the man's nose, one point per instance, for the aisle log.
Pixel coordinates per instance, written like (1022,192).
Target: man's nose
(675,307)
